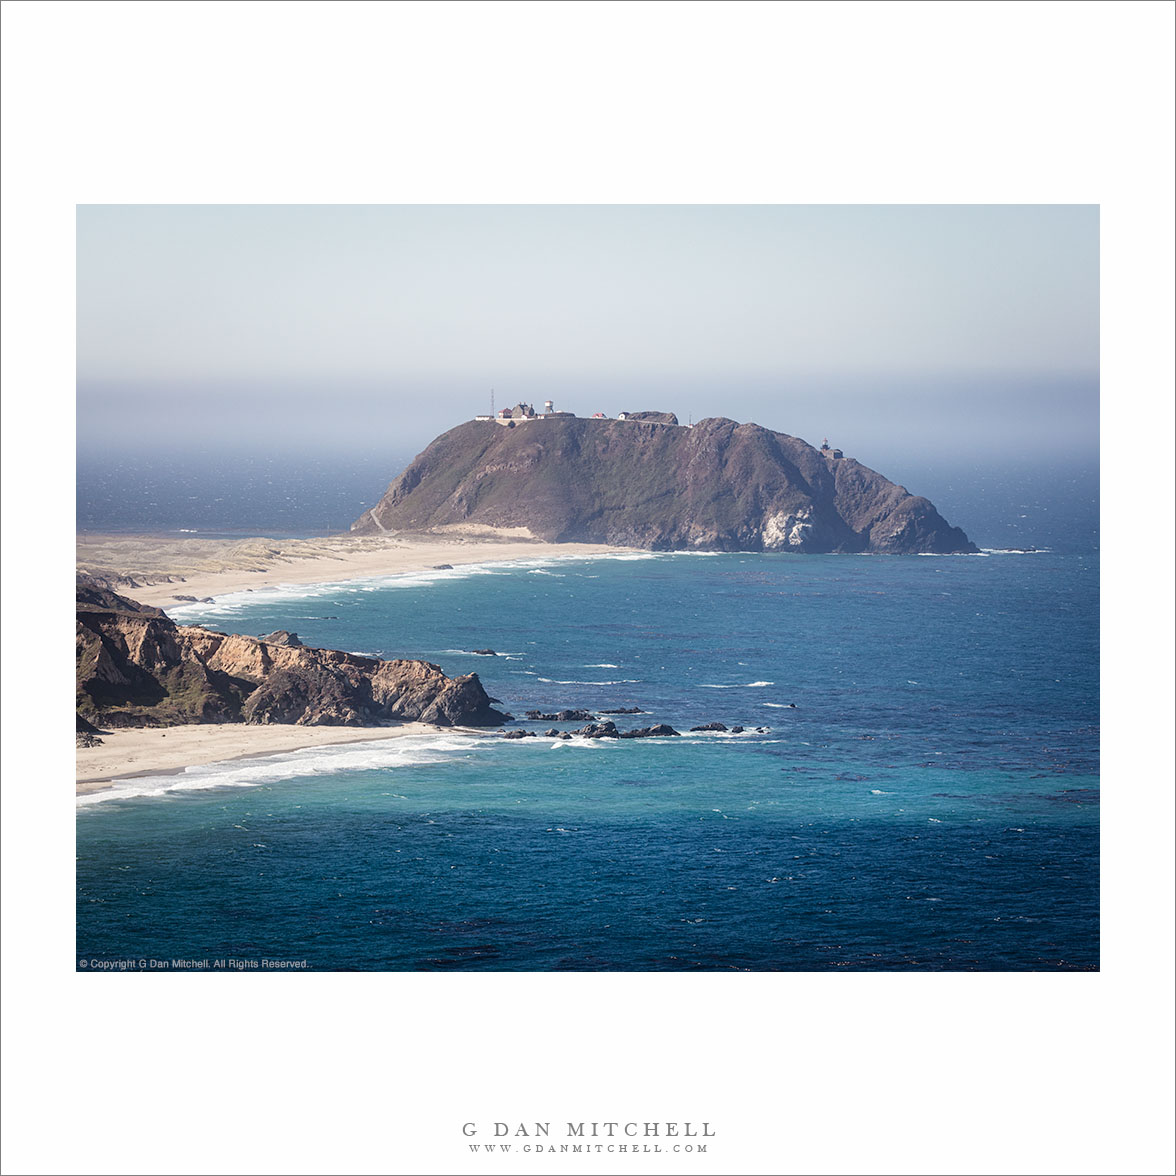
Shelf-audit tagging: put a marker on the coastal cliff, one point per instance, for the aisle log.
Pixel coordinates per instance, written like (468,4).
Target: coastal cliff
(649,482)
(137,668)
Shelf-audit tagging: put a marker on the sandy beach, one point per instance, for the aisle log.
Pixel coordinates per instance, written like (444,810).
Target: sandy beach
(152,751)
(156,570)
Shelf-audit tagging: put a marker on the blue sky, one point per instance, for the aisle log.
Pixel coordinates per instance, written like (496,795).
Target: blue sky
(969,330)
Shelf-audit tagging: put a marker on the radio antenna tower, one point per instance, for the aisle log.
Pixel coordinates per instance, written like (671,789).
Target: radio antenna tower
(491,401)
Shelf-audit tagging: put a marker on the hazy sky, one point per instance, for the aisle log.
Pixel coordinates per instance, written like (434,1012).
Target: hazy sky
(965,329)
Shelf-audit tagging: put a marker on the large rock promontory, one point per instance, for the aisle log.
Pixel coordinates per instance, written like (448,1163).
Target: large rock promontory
(717,485)
(137,668)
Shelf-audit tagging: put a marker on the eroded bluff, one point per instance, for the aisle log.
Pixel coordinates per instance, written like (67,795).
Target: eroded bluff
(718,486)
(136,668)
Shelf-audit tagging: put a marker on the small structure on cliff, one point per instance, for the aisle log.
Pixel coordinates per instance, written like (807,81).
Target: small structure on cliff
(509,417)
(520,412)
(828,451)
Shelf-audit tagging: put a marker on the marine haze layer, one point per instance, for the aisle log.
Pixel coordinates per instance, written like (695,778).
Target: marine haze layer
(647,481)
(930,802)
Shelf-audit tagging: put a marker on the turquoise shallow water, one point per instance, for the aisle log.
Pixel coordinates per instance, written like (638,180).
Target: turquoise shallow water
(929,802)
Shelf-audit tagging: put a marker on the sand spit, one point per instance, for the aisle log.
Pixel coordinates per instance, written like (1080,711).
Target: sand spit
(159,570)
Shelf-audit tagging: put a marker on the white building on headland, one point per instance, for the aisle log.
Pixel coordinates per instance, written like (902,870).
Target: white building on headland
(522,413)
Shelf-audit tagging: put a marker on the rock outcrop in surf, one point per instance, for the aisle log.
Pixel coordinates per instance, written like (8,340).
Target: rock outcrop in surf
(641,482)
(138,668)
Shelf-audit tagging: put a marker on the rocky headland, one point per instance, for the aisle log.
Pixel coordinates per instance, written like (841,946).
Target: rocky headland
(138,668)
(649,482)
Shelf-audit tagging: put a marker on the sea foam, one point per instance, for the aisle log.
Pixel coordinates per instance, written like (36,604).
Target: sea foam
(230,603)
(577,682)
(378,754)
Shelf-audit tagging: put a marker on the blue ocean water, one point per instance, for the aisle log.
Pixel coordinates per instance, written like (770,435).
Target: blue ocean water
(923,794)
(218,493)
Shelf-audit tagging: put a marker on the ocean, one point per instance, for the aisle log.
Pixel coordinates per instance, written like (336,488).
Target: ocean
(228,494)
(916,786)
